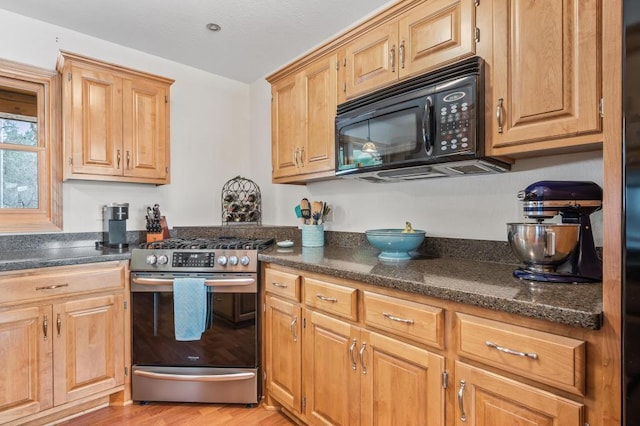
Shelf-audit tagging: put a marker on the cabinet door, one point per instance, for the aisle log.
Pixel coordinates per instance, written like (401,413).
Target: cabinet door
(320,94)
(435,33)
(331,371)
(93,122)
(372,60)
(26,348)
(88,339)
(286,118)
(487,399)
(144,132)
(283,347)
(546,78)
(393,370)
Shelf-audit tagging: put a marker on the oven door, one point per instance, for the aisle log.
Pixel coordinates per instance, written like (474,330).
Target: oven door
(221,367)
(231,340)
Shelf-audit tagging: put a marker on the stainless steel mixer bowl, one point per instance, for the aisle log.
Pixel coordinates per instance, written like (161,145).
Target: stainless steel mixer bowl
(543,246)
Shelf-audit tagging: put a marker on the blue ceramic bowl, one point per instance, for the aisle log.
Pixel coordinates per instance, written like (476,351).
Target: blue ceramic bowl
(393,243)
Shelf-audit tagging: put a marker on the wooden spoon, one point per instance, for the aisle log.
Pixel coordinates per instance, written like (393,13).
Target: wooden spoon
(305,208)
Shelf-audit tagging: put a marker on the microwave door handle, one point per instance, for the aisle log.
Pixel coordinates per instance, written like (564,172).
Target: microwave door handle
(426,128)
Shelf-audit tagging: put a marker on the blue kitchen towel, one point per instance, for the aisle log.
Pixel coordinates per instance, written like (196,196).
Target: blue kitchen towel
(189,308)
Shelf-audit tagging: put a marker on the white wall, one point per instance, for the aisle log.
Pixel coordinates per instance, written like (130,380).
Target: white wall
(220,128)
(209,130)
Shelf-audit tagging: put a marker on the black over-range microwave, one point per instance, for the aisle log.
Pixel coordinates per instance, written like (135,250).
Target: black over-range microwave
(429,126)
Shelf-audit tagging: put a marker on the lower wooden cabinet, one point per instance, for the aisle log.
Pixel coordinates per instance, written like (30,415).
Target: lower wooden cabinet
(354,376)
(26,374)
(488,399)
(283,352)
(60,347)
(341,352)
(88,346)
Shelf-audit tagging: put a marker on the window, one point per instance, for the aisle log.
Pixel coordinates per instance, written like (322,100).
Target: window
(30,195)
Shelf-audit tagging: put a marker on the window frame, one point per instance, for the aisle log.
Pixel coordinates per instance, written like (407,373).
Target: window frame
(46,85)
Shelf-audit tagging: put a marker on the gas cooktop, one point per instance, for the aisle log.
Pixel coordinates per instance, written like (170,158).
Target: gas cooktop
(225,243)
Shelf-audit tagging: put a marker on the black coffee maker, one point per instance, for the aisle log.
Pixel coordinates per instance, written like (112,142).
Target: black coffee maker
(115,217)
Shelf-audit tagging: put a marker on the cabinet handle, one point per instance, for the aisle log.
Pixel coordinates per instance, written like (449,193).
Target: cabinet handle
(59,324)
(531,355)
(499,114)
(275,284)
(362,349)
(392,58)
(128,160)
(463,415)
(295,156)
(51,287)
(293,329)
(302,156)
(118,158)
(327,299)
(352,348)
(401,54)
(394,318)
(45,327)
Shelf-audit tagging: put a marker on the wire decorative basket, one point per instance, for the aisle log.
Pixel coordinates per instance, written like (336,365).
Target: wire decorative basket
(241,202)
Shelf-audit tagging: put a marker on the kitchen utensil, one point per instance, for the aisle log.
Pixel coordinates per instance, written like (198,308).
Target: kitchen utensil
(316,212)
(393,243)
(305,208)
(298,211)
(565,252)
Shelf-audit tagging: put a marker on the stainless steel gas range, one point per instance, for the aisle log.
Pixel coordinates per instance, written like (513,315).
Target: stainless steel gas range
(223,365)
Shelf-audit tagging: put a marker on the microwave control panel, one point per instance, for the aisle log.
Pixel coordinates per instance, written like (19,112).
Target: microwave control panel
(455,121)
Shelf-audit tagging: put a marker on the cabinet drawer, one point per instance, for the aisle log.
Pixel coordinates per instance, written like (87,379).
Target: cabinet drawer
(548,358)
(416,321)
(60,281)
(282,283)
(331,298)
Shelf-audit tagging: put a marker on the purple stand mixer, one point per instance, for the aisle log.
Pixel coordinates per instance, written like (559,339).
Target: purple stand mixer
(557,252)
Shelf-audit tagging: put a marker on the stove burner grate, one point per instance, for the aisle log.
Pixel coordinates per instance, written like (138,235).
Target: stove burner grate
(221,243)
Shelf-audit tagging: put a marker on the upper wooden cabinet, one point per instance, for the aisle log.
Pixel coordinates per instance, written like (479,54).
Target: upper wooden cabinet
(423,38)
(116,122)
(303,108)
(545,75)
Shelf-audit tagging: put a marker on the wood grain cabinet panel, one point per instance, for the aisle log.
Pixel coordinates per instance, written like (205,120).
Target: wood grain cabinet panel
(424,38)
(89,347)
(416,321)
(115,122)
(546,74)
(548,358)
(282,283)
(303,107)
(332,298)
(488,399)
(26,348)
(283,352)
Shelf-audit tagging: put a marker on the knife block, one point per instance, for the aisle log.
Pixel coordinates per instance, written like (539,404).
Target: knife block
(162,235)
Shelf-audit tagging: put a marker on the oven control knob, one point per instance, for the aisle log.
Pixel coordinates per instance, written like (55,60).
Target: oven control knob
(222,260)
(163,260)
(244,260)
(152,259)
(233,260)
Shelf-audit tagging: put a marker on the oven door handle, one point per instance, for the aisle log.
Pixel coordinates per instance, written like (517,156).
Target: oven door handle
(196,377)
(221,282)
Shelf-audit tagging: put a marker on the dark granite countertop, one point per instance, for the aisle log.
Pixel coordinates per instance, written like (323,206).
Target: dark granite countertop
(42,258)
(480,283)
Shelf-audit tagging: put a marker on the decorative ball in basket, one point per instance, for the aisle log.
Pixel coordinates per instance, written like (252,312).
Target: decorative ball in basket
(241,202)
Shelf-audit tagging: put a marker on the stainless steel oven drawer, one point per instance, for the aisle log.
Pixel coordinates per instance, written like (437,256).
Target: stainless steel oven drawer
(195,384)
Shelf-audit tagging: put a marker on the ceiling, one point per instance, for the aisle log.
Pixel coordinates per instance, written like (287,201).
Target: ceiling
(257,36)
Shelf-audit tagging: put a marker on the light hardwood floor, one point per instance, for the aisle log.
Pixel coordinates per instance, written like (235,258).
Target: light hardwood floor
(159,414)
